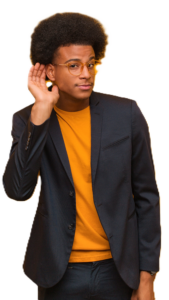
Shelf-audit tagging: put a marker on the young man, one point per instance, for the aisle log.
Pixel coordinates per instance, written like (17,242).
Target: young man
(96,232)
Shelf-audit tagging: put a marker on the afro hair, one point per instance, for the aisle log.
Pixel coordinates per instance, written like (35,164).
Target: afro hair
(64,29)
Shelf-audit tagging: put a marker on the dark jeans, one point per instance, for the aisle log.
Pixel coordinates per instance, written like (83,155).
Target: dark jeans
(97,280)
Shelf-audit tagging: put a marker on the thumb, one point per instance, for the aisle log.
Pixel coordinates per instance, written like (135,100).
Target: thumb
(55,89)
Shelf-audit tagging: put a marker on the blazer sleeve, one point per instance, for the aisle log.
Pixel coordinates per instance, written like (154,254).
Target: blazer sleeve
(145,193)
(21,173)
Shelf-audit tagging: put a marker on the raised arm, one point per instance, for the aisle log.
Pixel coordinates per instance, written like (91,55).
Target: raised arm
(29,132)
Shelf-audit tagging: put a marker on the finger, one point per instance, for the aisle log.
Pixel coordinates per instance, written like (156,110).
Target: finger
(39,73)
(35,70)
(37,65)
(42,78)
(30,73)
(55,89)
(41,69)
(31,76)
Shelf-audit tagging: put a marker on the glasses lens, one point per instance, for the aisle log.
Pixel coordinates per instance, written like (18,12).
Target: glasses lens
(75,68)
(92,67)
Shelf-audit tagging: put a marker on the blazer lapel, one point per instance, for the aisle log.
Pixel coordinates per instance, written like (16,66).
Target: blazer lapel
(96,122)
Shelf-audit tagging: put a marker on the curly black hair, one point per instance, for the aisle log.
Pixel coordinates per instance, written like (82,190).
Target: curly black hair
(64,29)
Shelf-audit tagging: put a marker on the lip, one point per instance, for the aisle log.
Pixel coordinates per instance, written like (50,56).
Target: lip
(84,87)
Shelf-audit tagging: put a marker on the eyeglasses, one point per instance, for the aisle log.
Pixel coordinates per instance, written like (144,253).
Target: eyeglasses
(76,68)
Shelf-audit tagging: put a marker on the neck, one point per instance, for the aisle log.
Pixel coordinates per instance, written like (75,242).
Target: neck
(69,103)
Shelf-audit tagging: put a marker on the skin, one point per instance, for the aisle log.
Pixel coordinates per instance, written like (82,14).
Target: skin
(67,96)
(71,97)
(145,290)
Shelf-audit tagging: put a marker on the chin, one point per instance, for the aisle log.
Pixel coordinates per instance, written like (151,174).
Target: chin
(81,94)
(85,92)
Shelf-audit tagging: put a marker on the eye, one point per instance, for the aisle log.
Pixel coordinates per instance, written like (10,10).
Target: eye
(92,64)
(73,66)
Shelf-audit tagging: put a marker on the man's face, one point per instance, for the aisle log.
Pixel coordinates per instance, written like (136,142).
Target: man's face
(67,83)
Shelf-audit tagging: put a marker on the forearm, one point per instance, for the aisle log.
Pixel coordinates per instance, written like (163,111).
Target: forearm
(22,169)
(40,112)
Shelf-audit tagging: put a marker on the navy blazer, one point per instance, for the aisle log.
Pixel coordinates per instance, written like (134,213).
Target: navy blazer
(124,189)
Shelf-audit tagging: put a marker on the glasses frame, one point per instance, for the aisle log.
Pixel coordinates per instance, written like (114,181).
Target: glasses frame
(98,62)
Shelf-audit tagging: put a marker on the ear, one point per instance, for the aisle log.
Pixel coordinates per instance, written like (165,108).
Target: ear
(50,72)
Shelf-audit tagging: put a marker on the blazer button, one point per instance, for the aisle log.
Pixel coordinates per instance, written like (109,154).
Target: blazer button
(71,226)
(71,193)
(26,148)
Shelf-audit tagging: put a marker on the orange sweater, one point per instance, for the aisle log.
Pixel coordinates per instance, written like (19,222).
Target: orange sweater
(90,240)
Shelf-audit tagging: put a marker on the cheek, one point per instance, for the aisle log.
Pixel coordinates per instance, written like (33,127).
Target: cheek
(66,83)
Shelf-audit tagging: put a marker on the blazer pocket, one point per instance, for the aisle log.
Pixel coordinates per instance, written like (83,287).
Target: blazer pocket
(116,142)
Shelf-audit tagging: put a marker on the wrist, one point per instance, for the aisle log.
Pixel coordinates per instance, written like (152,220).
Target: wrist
(40,112)
(146,276)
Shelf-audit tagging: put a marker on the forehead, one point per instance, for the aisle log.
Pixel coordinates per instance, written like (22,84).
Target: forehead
(75,51)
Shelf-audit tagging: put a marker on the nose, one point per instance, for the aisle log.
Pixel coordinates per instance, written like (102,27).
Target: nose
(85,72)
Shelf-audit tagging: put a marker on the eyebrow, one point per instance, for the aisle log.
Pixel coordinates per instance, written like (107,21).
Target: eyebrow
(77,59)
